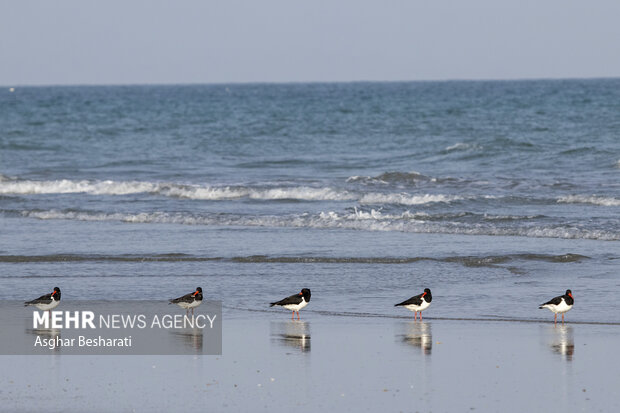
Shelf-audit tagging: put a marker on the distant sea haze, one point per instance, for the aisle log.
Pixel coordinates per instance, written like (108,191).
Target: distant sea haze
(327,175)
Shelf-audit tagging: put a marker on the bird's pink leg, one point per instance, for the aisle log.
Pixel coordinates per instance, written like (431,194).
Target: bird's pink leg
(420,315)
(415,316)
(555,318)
(298,315)
(293,315)
(562,318)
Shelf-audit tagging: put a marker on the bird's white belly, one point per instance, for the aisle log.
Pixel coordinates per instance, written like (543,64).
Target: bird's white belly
(296,307)
(43,306)
(196,303)
(421,307)
(560,308)
(193,304)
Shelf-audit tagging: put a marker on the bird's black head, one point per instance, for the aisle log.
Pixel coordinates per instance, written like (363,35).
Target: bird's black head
(198,292)
(569,293)
(305,293)
(56,293)
(427,295)
(427,290)
(199,289)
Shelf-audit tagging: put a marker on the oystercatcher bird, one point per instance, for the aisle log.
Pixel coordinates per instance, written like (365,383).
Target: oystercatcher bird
(418,303)
(189,301)
(47,301)
(294,302)
(560,304)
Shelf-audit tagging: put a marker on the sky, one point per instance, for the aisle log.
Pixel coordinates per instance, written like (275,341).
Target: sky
(76,42)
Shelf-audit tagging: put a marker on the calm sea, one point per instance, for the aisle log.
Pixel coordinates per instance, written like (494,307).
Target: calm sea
(496,195)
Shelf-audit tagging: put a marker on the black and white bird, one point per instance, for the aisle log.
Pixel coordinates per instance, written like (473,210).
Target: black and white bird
(418,303)
(189,301)
(295,302)
(47,301)
(560,304)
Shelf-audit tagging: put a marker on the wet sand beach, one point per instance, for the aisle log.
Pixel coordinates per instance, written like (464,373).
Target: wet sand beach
(340,363)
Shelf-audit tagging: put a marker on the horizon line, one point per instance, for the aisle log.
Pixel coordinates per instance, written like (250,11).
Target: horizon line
(303,82)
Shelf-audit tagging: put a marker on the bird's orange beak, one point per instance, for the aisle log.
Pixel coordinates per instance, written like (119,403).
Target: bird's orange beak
(53,292)
(570,295)
(423,294)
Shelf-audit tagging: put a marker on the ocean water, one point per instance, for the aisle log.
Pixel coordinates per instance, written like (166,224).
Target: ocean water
(496,195)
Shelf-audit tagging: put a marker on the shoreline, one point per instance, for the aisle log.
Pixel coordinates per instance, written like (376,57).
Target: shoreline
(427,318)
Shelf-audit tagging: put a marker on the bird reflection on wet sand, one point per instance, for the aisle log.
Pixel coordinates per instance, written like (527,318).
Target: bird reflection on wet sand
(560,340)
(47,333)
(295,334)
(191,337)
(417,335)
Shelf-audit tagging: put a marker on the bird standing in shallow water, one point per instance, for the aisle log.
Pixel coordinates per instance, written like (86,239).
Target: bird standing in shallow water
(47,301)
(295,302)
(418,303)
(191,300)
(560,304)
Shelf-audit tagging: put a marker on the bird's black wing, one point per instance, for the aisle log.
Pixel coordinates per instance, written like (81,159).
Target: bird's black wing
(187,298)
(416,300)
(293,299)
(44,299)
(555,301)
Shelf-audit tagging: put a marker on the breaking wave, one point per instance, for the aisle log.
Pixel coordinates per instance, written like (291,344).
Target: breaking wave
(65,186)
(373,220)
(213,193)
(461,146)
(406,199)
(590,199)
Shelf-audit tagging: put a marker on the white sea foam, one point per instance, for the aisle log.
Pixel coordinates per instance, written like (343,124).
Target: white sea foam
(213,193)
(65,186)
(305,193)
(461,146)
(357,220)
(140,218)
(202,192)
(356,178)
(590,199)
(226,193)
(406,199)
